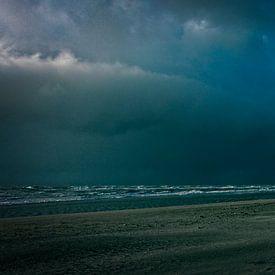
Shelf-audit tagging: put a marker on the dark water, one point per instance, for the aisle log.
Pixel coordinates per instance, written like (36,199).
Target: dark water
(42,194)
(35,200)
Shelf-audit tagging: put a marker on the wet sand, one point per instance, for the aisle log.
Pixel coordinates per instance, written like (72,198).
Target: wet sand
(224,238)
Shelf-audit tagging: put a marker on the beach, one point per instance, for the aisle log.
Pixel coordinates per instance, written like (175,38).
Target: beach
(218,238)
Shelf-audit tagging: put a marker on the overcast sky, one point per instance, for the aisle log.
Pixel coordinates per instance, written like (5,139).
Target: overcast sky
(137,92)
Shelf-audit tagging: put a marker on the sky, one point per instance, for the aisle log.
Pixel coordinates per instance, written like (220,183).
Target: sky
(137,92)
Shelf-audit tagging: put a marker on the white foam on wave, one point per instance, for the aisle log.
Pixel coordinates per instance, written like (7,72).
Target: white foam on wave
(39,194)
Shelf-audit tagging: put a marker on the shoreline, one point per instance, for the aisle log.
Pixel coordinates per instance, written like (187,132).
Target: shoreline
(153,209)
(85,206)
(227,238)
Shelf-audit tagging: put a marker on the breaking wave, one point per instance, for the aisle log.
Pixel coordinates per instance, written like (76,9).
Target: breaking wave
(40,194)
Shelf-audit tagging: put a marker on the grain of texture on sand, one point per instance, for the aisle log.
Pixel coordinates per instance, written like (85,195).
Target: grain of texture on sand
(226,238)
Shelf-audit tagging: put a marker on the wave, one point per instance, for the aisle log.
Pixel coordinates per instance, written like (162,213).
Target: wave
(40,194)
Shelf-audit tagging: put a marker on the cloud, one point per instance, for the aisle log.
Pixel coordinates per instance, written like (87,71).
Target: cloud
(132,92)
(128,32)
(32,24)
(64,61)
(107,125)
(106,99)
(202,35)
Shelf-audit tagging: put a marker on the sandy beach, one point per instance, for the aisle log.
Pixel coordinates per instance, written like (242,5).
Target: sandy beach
(222,238)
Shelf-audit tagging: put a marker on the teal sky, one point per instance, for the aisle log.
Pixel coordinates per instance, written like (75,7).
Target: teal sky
(137,92)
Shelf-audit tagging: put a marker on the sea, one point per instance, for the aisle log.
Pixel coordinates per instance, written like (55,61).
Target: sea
(41,200)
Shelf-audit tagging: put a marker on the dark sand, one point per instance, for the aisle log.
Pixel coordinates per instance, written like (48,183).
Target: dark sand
(227,238)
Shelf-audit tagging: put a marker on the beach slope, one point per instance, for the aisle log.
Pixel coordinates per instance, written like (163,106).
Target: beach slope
(225,238)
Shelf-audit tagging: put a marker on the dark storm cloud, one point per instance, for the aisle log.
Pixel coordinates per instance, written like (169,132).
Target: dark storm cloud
(136,92)
(106,125)
(152,34)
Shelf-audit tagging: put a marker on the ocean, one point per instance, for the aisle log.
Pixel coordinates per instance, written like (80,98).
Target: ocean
(40,200)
